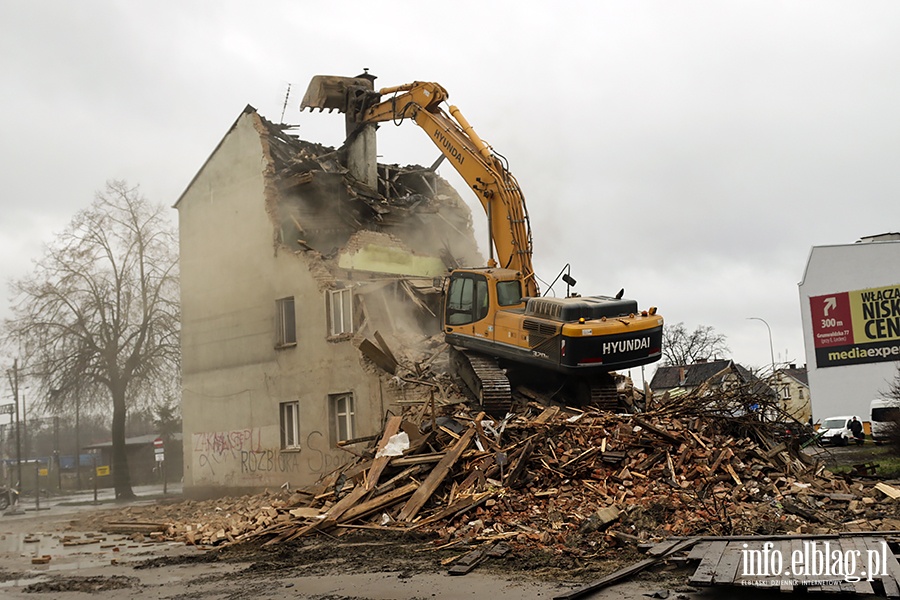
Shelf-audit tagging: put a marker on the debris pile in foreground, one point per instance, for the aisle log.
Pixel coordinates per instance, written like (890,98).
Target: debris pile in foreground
(558,478)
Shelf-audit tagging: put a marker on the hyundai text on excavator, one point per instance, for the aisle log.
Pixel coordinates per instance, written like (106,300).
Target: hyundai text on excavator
(494,316)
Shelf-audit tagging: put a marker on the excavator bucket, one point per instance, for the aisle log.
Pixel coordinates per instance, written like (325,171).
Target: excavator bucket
(332,92)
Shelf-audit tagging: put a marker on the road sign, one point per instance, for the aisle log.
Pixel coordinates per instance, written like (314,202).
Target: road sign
(103,471)
(158,443)
(8,409)
(160,457)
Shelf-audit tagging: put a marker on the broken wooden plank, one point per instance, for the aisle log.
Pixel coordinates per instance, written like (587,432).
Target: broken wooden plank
(626,572)
(512,478)
(378,465)
(478,473)
(672,439)
(589,453)
(890,571)
(704,573)
(468,561)
(328,520)
(797,509)
(383,345)
(727,569)
(549,413)
(377,356)
(862,587)
(133,527)
(437,475)
(358,440)
(420,459)
(371,505)
(888,490)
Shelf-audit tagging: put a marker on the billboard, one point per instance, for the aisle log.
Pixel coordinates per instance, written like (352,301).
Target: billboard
(858,327)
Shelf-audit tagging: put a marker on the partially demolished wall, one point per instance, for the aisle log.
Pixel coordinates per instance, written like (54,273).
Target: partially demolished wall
(276,235)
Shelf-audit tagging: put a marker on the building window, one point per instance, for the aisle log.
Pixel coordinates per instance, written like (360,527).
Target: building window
(343,416)
(290,425)
(286,325)
(800,393)
(340,311)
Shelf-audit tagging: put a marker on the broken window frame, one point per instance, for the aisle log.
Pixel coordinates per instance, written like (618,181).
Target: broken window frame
(343,416)
(285,323)
(289,418)
(340,321)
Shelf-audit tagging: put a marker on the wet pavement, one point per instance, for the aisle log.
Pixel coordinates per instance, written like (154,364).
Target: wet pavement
(36,540)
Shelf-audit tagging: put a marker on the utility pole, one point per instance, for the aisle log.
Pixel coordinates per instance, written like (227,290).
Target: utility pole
(14,384)
(56,452)
(25,449)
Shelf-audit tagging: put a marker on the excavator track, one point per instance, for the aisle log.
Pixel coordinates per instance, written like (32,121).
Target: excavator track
(486,380)
(600,392)
(604,394)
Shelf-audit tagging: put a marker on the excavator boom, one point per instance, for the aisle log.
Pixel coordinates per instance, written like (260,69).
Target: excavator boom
(482,169)
(494,318)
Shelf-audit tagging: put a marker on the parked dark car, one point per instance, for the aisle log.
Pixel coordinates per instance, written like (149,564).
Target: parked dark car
(794,432)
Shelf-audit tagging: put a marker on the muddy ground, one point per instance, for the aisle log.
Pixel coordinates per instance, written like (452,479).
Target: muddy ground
(359,565)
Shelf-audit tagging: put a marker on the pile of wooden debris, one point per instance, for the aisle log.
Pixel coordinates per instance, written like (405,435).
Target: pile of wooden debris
(559,478)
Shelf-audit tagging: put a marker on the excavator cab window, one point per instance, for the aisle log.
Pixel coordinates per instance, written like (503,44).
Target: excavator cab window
(509,292)
(467,299)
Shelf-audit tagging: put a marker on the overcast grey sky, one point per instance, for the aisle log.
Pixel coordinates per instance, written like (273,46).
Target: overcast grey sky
(691,152)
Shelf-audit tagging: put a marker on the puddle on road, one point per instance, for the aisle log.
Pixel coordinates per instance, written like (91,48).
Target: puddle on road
(47,552)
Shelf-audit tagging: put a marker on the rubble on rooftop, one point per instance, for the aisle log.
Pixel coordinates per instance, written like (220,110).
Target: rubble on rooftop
(317,205)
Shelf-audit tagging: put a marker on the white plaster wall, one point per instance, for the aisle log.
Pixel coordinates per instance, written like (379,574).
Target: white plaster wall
(234,378)
(846,389)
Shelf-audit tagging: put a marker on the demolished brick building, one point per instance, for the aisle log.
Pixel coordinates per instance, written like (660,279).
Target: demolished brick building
(293,275)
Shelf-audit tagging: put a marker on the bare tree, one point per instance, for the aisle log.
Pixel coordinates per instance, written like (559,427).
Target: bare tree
(893,391)
(683,348)
(98,319)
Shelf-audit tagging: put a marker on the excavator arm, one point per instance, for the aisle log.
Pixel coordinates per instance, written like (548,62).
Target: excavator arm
(482,169)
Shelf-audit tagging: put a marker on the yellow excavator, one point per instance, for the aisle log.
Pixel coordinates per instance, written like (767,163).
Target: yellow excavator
(494,316)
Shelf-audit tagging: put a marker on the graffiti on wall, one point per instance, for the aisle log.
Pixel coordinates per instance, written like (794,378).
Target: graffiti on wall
(268,461)
(242,453)
(321,458)
(239,450)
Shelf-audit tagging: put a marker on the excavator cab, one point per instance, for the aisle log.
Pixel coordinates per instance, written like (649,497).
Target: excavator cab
(473,295)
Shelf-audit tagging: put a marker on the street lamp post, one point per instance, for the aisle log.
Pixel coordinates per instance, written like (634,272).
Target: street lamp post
(771,354)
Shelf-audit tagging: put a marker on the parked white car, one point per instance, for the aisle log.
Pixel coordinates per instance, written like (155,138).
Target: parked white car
(884,414)
(836,430)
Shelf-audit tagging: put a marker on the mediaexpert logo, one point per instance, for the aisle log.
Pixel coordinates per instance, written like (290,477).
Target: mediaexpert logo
(818,560)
